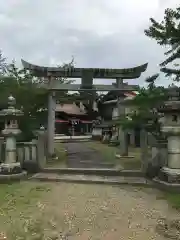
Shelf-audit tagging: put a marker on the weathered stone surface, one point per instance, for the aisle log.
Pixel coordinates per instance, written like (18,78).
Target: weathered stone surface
(170,175)
(158,158)
(171,129)
(8,169)
(81,178)
(6,178)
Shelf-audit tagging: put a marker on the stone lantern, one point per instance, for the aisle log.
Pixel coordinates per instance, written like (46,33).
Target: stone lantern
(171,128)
(10,132)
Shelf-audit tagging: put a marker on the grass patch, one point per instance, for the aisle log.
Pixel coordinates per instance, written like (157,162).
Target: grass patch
(61,154)
(109,152)
(173,199)
(18,203)
(129,164)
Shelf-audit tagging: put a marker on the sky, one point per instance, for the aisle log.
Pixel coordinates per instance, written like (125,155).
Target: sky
(97,33)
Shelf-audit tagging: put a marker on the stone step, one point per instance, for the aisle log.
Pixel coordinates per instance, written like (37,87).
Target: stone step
(89,163)
(102,164)
(81,165)
(81,152)
(95,171)
(90,179)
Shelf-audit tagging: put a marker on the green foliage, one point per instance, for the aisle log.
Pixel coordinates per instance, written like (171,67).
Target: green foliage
(173,199)
(167,33)
(3,65)
(29,97)
(32,99)
(145,104)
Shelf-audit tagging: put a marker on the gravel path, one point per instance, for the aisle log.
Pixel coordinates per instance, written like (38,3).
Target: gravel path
(81,156)
(103,212)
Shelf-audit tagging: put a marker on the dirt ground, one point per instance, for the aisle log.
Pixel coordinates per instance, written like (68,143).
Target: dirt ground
(38,211)
(105,212)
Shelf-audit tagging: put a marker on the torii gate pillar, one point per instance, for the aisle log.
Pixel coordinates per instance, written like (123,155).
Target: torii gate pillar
(122,134)
(51,122)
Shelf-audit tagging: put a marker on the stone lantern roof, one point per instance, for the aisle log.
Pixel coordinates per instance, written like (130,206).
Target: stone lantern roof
(11,111)
(173,102)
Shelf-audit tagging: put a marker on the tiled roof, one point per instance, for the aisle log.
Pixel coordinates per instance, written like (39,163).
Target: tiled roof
(128,96)
(70,109)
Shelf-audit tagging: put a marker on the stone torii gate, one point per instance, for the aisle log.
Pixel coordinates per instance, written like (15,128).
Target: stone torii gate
(86,75)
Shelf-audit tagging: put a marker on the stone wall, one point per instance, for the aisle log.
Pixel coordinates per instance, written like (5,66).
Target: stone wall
(31,155)
(158,157)
(97,133)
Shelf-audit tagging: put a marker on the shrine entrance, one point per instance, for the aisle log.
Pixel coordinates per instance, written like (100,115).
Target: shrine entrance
(72,119)
(50,75)
(73,127)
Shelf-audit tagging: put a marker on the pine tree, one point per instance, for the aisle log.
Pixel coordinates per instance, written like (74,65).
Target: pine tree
(3,65)
(167,34)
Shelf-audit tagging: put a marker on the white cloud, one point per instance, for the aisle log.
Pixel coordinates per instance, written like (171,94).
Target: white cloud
(98,33)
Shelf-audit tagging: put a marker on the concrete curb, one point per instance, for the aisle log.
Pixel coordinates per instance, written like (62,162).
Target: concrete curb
(13,177)
(165,186)
(71,140)
(119,156)
(102,182)
(155,183)
(95,171)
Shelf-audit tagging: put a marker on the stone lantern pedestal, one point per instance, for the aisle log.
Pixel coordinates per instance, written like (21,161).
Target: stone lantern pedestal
(10,165)
(171,128)
(171,172)
(10,132)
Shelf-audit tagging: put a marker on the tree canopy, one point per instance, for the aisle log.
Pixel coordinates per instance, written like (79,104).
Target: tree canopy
(167,34)
(29,97)
(145,104)
(32,99)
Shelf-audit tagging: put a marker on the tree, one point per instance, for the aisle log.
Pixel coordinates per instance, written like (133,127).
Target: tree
(29,97)
(32,99)
(3,64)
(145,104)
(167,33)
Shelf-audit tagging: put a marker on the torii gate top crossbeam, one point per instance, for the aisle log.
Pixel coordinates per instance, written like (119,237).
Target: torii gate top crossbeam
(71,72)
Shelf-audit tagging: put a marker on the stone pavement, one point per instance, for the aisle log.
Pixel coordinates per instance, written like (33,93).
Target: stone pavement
(81,156)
